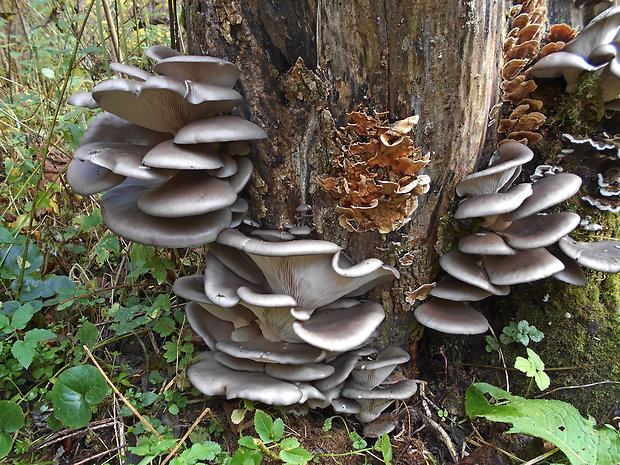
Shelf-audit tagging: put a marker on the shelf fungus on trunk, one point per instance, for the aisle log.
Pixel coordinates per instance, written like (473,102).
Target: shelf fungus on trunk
(376,180)
(169,157)
(288,312)
(511,247)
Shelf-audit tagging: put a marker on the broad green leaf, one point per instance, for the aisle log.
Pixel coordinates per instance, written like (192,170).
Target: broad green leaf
(23,315)
(106,247)
(75,391)
(11,416)
(207,451)
(237,415)
(247,441)
(263,424)
(537,363)
(524,365)
(542,380)
(13,259)
(5,236)
(289,443)
(277,431)
(5,323)
(386,448)
(24,353)
(91,221)
(245,456)
(32,288)
(6,444)
(34,336)
(327,424)
(48,73)
(88,334)
(53,284)
(298,456)
(552,420)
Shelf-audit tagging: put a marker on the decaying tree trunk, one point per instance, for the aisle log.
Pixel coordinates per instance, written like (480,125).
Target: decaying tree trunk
(306,64)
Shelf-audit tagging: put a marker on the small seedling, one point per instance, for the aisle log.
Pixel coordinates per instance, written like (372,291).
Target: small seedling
(533,367)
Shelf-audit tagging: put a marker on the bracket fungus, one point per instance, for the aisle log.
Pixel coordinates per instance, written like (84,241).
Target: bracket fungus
(377,184)
(287,313)
(511,247)
(170,159)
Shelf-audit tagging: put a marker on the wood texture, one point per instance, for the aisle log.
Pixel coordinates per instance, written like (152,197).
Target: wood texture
(306,64)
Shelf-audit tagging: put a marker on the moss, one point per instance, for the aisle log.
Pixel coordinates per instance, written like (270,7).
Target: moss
(580,112)
(582,328)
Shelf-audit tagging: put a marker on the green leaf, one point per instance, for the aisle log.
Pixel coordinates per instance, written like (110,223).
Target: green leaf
(75,391)
(542,380)
(106,247)
(91,221)
(48,73)
(5,237)
(552,420)
(298,456)
(23,352)
(11,416)
(263,424)
(6,444)
(246,457)
(536,361)
(14,259)
(237,415)
(277,431)
(524,365)
(34,336)
(247,441)
(22,316)
(385,447)
(327,424)
(207,451)
(88,334)
(358,441)
(289,443)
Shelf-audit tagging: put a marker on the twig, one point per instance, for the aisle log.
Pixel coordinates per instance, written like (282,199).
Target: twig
(122,397)
(204,413)
(542,457)
(72,433)
(445,438)
(96,456)
(103,289)
(561,388)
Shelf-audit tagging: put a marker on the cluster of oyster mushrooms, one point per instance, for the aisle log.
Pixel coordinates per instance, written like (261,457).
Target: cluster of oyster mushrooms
(283,326)
(596,50)
(168,156)
(511,247)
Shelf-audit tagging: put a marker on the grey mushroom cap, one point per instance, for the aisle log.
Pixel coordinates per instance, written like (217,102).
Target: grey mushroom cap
(260,349)
(221,284)
(370,373)
(601,30)
(160,52)
(122,159)
(343,365)
(610,80)
(237,240)
(484,243)
(208,70)
(122,215)
(239,364)
(191,288)
(131,71)
(245,168)
(106,127)
(602,54)
(601,256)
(378,427)
(149,103)
(453,289)
(210,328)
(183,157)
(188,193)
(562,64)
(509,157)
(218,129)
(537,231)
(572,272)
(83,99)
(468,268)
(493,204)
(547,192)
(213,379)
(305,372)
(342,405)
(272,235)
(373,402)
(341,330)
(228,168)
(238,262)
(86,178)
(524,267)
(448,316)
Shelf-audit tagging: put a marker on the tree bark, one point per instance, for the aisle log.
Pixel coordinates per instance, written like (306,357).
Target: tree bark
(306,64)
